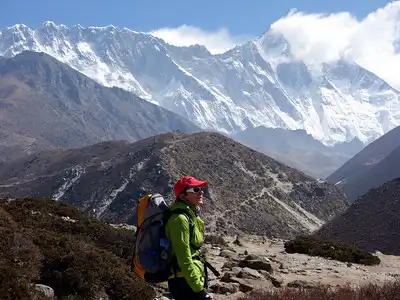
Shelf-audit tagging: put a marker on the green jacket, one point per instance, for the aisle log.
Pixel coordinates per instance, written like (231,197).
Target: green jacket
(178,233)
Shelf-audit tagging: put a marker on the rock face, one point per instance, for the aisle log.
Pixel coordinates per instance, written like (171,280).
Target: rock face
(376,164)
(371,222)
(45,104)
(248,192)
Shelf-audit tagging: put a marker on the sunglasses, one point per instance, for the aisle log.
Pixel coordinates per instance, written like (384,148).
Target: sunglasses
(194,190)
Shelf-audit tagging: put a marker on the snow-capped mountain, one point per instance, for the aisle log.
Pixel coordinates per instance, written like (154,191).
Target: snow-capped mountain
(254,84)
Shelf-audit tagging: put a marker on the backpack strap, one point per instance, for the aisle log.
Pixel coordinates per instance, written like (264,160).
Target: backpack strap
(192,225)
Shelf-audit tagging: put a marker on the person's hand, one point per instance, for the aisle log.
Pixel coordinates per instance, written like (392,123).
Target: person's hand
(203,295)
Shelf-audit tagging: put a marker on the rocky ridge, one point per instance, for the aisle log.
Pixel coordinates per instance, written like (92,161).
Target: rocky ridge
(248,192)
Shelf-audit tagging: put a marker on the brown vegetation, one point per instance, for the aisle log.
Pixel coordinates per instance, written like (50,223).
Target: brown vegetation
(341,252)
(388,291)
(47,242)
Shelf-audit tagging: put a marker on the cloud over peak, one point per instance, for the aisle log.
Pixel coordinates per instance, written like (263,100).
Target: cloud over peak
(373,42)
(215,41)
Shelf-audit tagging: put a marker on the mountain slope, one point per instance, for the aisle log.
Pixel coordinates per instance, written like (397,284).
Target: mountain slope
(297,149)
(45,104)
(249,192)
(385,170)
(371,222)
(371,167)
(254,84)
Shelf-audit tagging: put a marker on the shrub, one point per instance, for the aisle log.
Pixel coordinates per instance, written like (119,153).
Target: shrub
(80,259)
(46,214)
(341,252)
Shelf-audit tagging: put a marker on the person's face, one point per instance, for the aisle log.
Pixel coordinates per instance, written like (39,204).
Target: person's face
(194,196)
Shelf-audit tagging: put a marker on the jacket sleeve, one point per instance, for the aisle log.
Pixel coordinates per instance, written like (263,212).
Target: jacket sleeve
(180,243)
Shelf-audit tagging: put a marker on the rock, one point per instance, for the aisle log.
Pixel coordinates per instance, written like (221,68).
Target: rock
(230,264)
(229,248)
(256,265)
(302,284)
(227,277)
(224,287)
(245,287)
(249,274)
(245,284)
(275,279)
(215,239)
(237,242)
(252,257)
(228,254)
(302,272)
(236,270)
(45,290)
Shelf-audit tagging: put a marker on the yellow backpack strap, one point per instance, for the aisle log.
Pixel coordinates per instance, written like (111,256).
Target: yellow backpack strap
(143,203)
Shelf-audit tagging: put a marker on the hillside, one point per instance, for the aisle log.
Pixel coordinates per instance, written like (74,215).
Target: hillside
(249,192)
(298,149)
(45,104)
(371,222)
(371,167)
(49,243)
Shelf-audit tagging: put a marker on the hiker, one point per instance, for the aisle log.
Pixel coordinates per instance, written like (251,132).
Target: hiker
(190,277)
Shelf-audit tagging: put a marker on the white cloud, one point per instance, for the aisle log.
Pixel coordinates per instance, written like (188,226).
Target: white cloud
(215,41)
(371,42)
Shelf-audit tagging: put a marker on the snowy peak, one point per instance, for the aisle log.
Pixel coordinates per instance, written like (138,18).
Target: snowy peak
(254,84)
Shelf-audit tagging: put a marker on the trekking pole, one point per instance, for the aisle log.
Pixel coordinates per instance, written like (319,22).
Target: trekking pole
(214,270)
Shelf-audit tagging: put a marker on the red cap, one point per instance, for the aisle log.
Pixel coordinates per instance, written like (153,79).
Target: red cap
(186,182)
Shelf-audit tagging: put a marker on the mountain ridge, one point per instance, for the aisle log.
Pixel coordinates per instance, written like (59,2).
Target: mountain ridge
(260,195)
(376,164)
(254,84)
(46,104)
(298,149)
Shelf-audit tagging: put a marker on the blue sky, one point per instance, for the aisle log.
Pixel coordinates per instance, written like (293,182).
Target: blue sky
(248,17)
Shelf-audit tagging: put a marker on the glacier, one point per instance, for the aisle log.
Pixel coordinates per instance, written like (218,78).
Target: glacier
(254,84)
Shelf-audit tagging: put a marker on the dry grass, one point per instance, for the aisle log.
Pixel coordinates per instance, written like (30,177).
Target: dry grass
(388,291)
